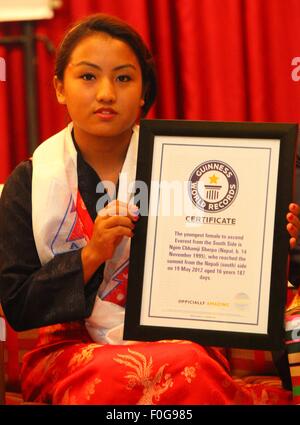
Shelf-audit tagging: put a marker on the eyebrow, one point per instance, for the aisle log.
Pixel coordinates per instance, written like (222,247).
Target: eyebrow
(93,65)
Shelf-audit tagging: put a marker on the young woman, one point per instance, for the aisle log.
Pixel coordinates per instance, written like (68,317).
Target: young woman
(61,258)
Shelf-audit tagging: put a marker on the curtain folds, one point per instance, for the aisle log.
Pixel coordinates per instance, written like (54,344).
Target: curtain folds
(217,60)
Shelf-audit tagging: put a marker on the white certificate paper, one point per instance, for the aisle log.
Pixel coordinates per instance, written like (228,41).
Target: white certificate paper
(209,257)
(209,265)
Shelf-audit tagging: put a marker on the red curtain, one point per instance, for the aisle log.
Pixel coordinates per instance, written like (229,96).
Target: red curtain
(225,60)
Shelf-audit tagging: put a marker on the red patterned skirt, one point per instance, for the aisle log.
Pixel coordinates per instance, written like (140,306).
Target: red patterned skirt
(68,368)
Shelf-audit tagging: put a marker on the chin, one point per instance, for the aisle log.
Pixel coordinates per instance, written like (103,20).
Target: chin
(112,130)
(105,129)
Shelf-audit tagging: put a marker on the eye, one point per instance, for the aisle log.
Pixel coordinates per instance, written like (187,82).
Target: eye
(87,76)
(124,78)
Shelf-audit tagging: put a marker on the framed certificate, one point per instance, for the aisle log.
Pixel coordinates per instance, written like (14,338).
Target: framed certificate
(209,257)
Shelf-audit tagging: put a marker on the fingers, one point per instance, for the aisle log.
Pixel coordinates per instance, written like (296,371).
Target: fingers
(294,209)
(293,230)
(293,243)
(119,208)
(117,221)
(120,231)
(293,225)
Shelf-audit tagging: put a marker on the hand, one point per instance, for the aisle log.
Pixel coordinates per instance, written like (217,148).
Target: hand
(113,222)
(293,225)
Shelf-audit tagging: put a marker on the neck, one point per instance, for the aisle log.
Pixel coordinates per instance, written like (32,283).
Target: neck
(105,155)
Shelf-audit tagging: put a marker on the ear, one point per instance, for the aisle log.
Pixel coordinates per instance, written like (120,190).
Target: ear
(59,89)
(142,103)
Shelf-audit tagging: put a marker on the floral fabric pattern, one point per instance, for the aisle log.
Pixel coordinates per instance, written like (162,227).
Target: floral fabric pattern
(67,367)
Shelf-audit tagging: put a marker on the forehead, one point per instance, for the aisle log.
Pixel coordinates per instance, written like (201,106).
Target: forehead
(103,47)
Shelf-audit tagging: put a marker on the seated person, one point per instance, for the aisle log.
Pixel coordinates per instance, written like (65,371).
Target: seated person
(51,276)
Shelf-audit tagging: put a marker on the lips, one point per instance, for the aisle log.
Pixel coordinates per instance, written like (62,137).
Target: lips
(105,113)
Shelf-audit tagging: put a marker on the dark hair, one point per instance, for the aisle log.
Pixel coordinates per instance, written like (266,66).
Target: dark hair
(116,28)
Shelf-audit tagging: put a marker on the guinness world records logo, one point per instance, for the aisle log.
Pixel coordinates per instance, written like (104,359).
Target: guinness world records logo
(213,186)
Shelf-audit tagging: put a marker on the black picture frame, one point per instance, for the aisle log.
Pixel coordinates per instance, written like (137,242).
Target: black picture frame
(273,338)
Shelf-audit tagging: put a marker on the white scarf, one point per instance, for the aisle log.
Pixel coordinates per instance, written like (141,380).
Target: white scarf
(54,194)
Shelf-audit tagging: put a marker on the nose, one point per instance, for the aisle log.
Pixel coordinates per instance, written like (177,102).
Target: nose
(106,91)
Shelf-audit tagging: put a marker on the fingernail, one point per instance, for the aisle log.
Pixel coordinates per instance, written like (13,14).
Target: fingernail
(133,207)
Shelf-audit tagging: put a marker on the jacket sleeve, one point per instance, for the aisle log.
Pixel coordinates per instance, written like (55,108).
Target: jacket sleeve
(32,295)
